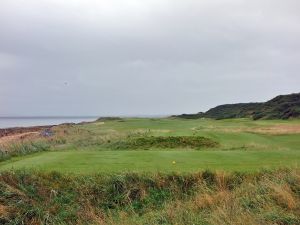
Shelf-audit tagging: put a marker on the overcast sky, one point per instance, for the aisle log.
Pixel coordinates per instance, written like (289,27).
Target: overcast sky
(144,57)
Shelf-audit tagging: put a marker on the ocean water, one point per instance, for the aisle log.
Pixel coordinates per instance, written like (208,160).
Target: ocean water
(6,122)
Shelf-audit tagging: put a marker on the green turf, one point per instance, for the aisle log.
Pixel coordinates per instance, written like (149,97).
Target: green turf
(216,129)
(153,161)
(239,149)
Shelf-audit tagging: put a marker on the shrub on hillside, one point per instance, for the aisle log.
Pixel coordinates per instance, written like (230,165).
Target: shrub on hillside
(148,142)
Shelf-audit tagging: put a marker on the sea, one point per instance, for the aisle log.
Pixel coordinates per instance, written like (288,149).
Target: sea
(7,122)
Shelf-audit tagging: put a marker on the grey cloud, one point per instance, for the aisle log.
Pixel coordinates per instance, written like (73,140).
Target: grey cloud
(144,57)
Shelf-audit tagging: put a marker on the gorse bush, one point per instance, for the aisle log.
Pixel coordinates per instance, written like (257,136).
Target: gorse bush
(200,198)
(147,142)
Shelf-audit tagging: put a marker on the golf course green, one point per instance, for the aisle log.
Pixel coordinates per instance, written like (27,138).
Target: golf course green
(102,146)
(153,161)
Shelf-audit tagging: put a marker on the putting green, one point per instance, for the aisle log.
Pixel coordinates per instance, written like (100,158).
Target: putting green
(91,161)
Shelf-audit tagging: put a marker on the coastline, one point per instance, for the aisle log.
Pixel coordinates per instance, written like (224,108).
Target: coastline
(4,132)
(21,122)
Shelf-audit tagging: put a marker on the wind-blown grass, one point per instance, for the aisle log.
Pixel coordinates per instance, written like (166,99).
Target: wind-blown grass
(22,148)
(200,198)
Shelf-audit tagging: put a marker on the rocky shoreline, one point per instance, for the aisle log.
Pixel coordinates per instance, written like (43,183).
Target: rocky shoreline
(20,130)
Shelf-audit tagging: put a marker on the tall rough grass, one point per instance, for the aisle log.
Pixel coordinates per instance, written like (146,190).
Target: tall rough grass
(201,198)
(22,148)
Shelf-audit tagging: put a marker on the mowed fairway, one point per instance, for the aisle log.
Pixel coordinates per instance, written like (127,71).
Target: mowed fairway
(153,161)
(244,145)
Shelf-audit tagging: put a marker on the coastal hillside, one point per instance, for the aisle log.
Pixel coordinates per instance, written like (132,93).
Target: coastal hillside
(280,107)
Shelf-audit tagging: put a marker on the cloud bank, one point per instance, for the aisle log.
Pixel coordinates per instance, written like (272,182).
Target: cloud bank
(147,57)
